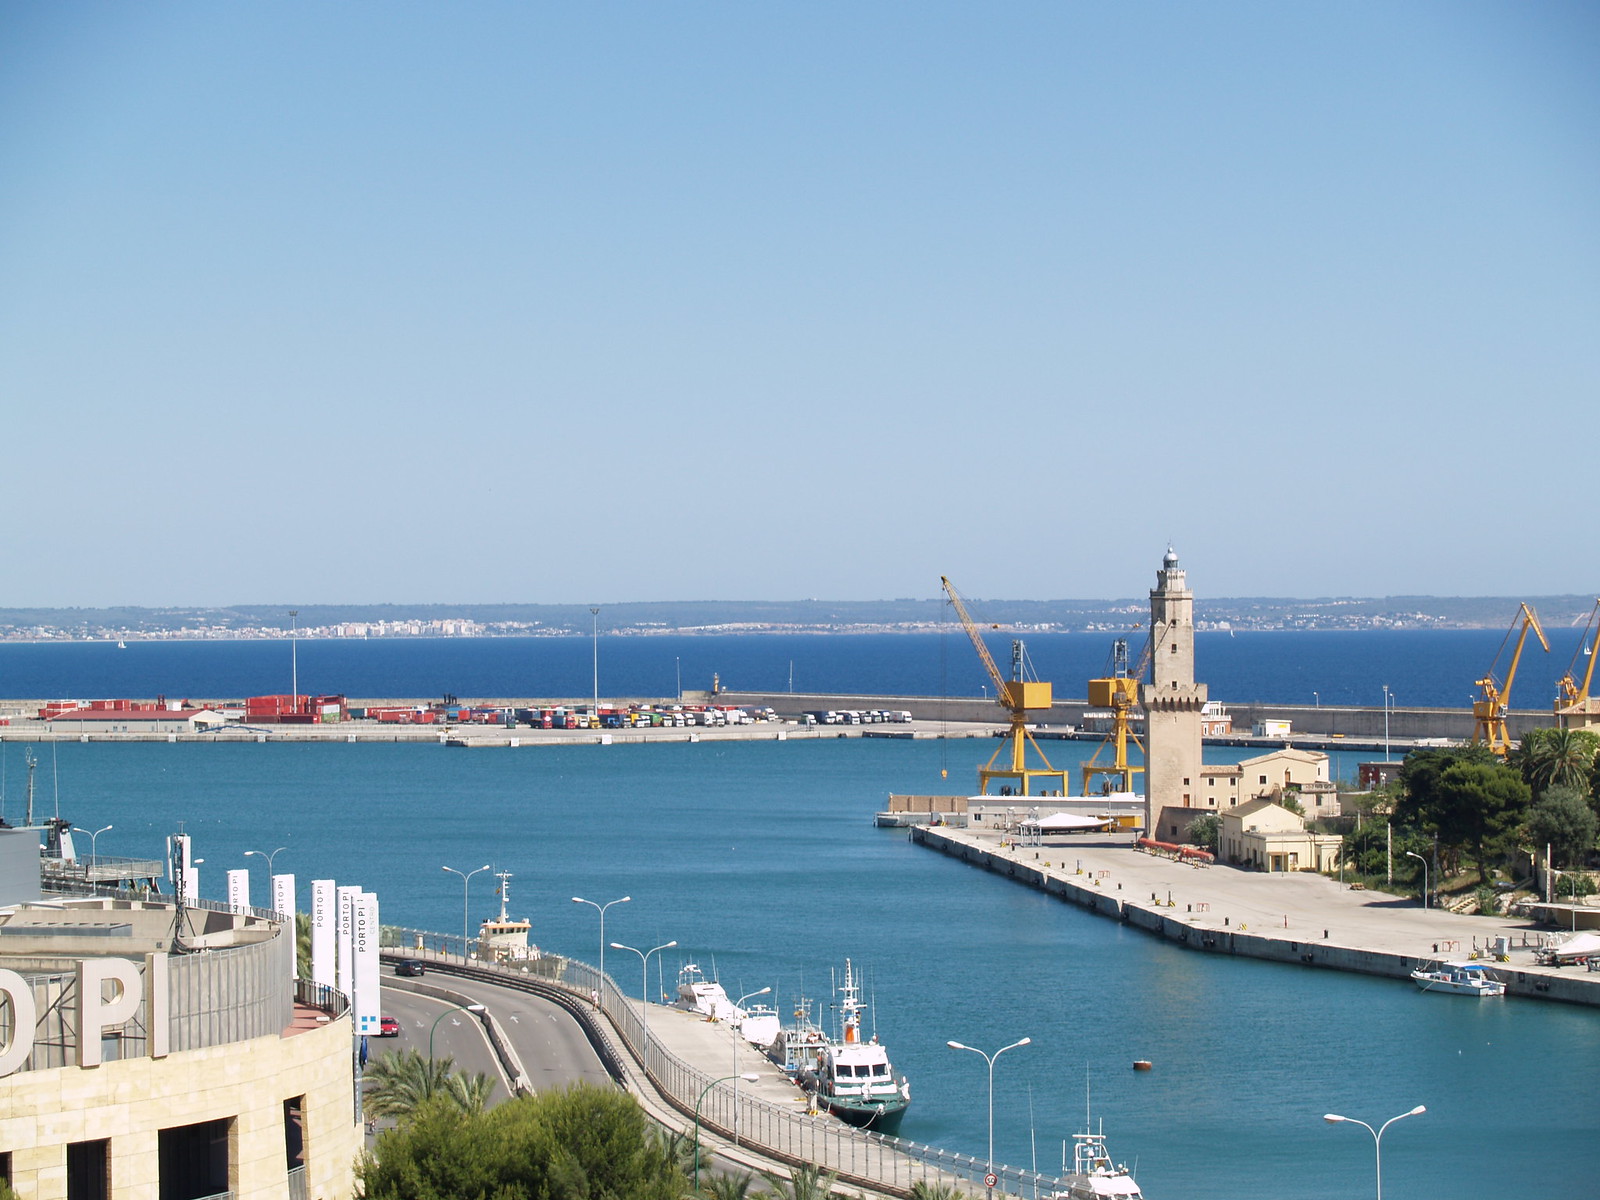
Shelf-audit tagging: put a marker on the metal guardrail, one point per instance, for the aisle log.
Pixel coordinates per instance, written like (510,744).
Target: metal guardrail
(297,1184)
(800,1138)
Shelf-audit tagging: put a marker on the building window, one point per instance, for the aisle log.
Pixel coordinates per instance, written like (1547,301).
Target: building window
(294,1132)
(1263,779)
(197,1160)
(89,1170)
(1185,783)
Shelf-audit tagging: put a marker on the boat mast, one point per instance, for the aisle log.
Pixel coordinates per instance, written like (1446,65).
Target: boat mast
(505,891)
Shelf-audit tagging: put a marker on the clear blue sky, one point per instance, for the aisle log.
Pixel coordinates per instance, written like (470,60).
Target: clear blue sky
(602,302)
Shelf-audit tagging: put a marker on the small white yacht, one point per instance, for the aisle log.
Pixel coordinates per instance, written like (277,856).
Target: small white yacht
(1459,979)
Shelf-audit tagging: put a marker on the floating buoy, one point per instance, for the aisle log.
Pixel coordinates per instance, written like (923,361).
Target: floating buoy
(1142,1064)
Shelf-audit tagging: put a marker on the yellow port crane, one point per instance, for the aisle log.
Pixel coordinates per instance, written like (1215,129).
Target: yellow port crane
(1568,694)
(1494,701)
(1119,692)
(1016,696)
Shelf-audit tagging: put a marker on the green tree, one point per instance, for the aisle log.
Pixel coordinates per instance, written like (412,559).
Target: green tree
(1204,830)
(1563,820)
(923,1190)
(1464,796)
(1291,801)
(1548,758)
(584,1143)
(302,945)
(399,1084)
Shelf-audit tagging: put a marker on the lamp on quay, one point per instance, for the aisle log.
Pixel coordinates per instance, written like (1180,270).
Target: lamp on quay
(738,1032)
(466,877)
(1424,862)
(1377,1135)
(989,1058)
(601,909)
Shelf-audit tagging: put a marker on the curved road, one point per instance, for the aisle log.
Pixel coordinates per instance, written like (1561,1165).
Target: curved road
(550,1043)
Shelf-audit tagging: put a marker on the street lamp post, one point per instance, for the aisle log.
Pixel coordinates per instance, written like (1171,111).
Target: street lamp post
(737,1034)
(94,837)
(594,616)
(1377,1135)
(294,656)
(471,1008)
(269,857)
(1425,888)
(644,982)
(601,909)
(466,877)
(1386,699)
(989,1058)
(702,1096)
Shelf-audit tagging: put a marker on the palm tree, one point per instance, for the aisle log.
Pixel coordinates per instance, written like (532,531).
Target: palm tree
(730,1187)
(302,945)
(804,1183)
(398,1084)
(1557,758)
(924,1190)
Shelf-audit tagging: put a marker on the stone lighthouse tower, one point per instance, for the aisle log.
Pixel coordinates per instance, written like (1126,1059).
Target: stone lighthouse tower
(1172,699)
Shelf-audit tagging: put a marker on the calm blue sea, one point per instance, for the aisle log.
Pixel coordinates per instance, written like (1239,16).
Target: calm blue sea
(1422,668)
(761,861)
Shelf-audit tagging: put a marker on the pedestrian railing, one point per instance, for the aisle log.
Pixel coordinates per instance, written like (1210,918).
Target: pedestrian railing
(790,1134)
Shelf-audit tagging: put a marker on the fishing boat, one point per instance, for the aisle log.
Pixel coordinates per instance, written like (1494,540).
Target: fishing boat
(505,938)
(1459,979)
(853,1079)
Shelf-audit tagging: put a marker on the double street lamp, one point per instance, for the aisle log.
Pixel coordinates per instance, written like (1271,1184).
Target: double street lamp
(1377,1135)
(466,877)
(601,909)
(989,1058)
(644,982)
(94,836)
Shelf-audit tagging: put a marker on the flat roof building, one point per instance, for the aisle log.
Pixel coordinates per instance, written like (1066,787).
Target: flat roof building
(164,1052)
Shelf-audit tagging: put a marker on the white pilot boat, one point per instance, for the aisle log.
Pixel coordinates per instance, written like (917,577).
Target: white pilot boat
(1459,979)
(505,938)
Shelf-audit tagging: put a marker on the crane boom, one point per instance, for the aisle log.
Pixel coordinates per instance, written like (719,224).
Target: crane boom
(1568,693)
(971,627)
(1490,709)
(1016,696)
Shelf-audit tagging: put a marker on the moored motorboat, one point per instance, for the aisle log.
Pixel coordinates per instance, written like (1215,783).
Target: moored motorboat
(850,1078)
(1459,979)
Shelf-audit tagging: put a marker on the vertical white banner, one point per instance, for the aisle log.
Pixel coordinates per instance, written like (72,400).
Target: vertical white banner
(283,896)
(324,934)
(346,897)
(239,889)
(364,953)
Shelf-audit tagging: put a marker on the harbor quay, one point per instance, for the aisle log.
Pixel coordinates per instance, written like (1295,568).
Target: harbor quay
(692,1074)
(1299,918)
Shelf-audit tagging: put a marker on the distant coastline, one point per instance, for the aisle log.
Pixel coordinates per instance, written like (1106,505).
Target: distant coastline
(720,618)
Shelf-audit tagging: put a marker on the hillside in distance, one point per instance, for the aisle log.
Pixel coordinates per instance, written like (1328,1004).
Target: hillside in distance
(643,618)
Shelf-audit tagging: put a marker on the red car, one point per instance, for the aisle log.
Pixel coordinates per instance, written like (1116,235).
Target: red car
(388,1027)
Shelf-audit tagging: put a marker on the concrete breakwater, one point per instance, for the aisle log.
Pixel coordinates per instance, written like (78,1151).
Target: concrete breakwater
(1300,920)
